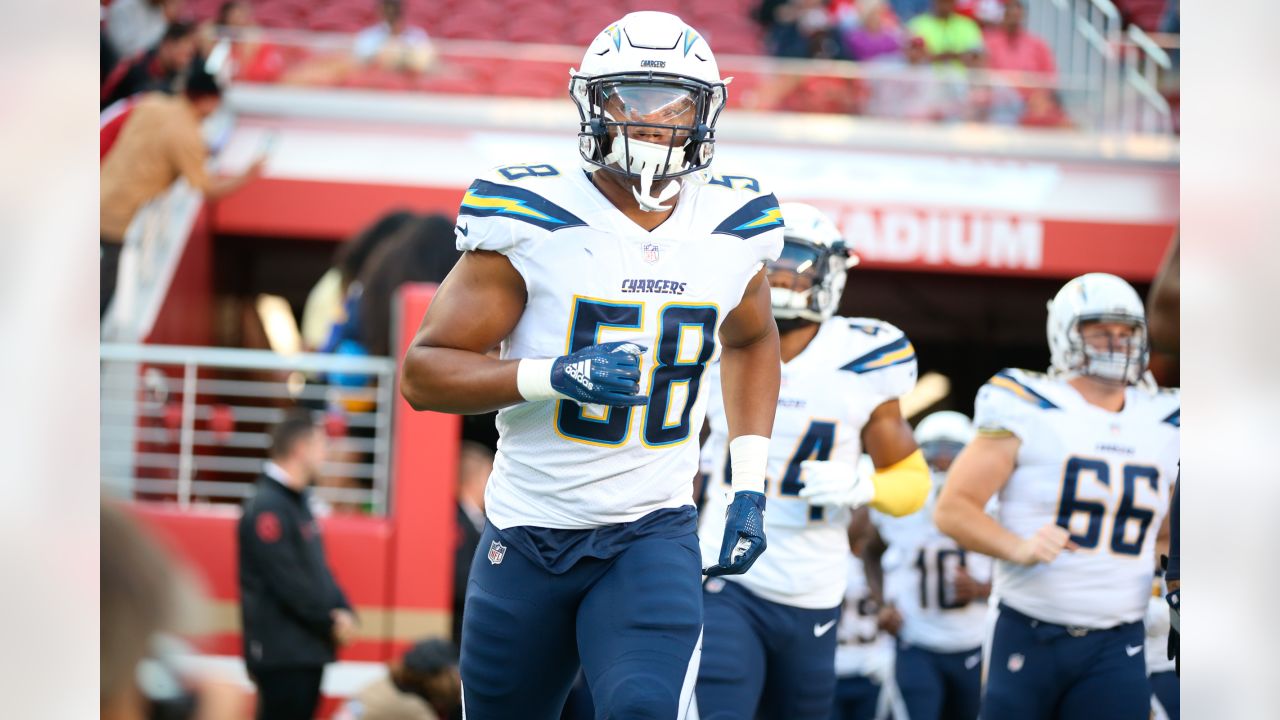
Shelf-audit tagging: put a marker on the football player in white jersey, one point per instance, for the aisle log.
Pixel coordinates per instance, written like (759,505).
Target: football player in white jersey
(934,593)
(768,648)
(1082,460)
(608,288)
(864,652)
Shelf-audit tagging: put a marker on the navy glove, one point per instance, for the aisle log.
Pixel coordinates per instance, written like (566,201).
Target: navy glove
(605,374)
(743,535)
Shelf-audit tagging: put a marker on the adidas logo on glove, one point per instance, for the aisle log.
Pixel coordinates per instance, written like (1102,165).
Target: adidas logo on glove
(581,371)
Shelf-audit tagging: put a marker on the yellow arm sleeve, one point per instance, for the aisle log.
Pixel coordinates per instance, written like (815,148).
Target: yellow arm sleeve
(903,487)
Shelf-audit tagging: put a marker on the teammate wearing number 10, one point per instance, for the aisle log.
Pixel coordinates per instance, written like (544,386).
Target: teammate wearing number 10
(1082,460)
(770,644)
(608,289)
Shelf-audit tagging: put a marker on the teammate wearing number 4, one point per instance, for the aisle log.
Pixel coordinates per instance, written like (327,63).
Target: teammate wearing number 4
(608,292)
(770,644)
(1082,460)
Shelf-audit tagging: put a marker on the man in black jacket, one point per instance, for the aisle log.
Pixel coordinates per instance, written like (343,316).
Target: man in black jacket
(293,611)
(475,462)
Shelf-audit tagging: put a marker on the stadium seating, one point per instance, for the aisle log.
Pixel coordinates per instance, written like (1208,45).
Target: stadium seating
(569,22)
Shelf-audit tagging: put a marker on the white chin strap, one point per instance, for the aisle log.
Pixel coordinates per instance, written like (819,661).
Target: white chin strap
(646,159)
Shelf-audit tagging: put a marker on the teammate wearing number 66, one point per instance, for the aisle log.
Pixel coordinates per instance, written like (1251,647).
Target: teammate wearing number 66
(606,288)
(1082,460)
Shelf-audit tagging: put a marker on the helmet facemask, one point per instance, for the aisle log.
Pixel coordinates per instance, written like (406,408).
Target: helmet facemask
(647,127)
(1106,357)
(806,280)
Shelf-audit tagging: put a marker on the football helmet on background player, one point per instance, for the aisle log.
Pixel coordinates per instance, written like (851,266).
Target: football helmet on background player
(648,94)
(816,255)
(942,435)
(1104,298)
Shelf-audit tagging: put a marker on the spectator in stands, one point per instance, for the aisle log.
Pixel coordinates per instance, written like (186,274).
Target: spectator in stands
(424,684)
(874,36)
(134,25)
(160,141)
(394,44)
(1044,110)
(1010,47)
(139,601)
(905,10)
(475,463)
(254,60)
(161,68)
(336,293)
(951,39)
(294,613)
(107,57)
(798,29)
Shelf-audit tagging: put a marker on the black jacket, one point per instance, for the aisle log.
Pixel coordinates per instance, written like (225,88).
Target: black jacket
(468,540)
(286,588)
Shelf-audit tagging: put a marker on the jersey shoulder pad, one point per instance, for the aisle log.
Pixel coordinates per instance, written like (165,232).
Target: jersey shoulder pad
(878,353)
(1165,405)
(502,207)
(872,344)
(1009,402)
(1025,385)
(740,207)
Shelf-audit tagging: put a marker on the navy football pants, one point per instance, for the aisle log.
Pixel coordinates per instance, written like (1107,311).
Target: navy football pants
(632,622)
(1165,687)
(1040,670)
(857,698)
(936,685)
(765,660)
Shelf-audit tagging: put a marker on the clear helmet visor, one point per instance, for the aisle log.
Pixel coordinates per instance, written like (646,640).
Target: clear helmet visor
(654,105)
(793,278)
(939,454)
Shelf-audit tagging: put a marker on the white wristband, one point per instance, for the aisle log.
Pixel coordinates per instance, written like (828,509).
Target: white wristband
(749,456)
(533,380)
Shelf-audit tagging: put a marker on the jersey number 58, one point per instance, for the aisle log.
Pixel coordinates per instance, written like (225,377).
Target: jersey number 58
(678,371)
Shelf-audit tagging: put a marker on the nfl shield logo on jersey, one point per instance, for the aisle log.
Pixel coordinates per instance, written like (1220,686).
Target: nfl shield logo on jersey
(650,253)
(497,551)
(1015,660)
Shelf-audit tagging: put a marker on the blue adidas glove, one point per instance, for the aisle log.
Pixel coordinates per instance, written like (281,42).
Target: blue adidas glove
(605,374)
(743,535)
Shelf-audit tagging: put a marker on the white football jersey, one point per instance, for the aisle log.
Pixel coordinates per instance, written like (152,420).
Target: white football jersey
(919,575)
(861,648)
(1104,476)
(593,276)
(828,391)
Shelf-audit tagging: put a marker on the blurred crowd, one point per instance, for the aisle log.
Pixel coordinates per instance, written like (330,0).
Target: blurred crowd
(924,53)
(943,40)
(930,60)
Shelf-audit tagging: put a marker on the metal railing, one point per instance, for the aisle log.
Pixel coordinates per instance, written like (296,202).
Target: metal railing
(1143,107)
(1117,68)
(192,423)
